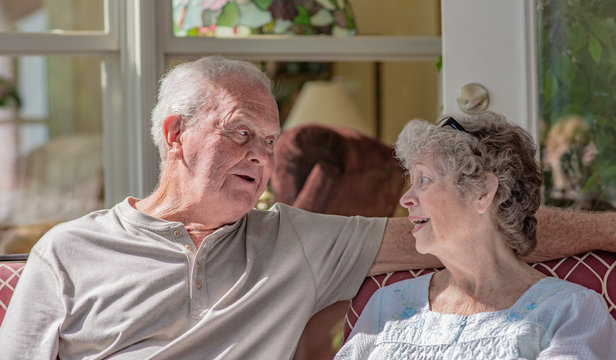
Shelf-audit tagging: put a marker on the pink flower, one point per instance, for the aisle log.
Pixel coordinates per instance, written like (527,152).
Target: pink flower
(213,4)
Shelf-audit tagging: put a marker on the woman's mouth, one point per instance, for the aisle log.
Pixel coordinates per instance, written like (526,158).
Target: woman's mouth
(418,224)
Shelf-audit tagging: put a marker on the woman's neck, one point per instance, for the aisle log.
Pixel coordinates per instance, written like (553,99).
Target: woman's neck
(488,279)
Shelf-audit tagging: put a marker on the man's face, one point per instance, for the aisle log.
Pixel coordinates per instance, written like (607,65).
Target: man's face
(229,152)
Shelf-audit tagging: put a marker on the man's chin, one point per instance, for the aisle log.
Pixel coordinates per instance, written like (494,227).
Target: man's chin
(241,206)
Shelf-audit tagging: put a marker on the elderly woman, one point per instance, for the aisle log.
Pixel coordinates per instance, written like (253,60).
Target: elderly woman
(475,187)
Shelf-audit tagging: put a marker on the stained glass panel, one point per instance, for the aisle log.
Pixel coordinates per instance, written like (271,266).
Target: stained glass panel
(222,18)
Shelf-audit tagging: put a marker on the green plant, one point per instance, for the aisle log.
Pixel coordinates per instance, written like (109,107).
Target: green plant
(577,77)
(8,93)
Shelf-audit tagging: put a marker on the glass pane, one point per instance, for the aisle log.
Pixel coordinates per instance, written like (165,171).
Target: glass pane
(375,98)
(224,18)
(51,159)
(577,83)
(51,15)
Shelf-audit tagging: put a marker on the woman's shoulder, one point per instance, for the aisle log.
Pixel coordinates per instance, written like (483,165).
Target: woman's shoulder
(404,293)
(558,288)
(415,284)
(552,295)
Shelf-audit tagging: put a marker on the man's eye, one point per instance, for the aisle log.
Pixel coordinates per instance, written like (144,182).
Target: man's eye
(270,141)
(243,132)
(423,179)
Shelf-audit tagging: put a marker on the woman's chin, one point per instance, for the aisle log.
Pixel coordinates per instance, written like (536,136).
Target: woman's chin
(422,246)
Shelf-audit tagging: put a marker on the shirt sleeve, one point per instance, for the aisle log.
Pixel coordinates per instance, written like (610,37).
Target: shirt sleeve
(30,328)
(338,249)
(583,329)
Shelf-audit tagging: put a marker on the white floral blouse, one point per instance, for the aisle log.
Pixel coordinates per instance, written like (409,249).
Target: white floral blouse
(554,319)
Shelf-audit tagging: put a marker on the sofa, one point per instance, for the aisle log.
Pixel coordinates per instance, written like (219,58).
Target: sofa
(595,270)
(11,267)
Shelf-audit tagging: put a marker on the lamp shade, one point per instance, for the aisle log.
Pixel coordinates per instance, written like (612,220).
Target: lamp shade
(326,102)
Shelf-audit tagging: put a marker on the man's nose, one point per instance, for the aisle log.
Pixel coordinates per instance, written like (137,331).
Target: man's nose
(259,152)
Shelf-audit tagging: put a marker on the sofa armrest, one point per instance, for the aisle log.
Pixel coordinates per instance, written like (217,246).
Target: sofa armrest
(10,271)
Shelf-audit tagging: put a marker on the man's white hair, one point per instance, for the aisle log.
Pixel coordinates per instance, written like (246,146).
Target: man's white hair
(184,90)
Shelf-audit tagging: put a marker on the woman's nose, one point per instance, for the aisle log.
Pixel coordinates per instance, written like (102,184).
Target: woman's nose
(408,199)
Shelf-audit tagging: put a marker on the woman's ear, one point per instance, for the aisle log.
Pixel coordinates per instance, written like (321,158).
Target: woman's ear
(489,192)
(172,131)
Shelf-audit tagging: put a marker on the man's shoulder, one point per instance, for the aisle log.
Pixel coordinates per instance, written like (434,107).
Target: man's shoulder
(94,219)
(277,211)
(67,232)
(281,209)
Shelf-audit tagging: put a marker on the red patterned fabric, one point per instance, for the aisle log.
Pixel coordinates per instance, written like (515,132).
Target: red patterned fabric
(595,270)
(9,275)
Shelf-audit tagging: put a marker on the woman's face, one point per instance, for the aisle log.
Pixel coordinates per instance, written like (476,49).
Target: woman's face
(442,220)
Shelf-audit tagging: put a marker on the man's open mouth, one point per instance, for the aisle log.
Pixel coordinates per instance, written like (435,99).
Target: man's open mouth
(247,178)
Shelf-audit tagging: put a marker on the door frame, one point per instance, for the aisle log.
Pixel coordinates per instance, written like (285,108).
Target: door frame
(493,43)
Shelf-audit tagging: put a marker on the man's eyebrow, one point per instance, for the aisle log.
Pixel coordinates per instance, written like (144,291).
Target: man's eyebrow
(238,122)
(233,124)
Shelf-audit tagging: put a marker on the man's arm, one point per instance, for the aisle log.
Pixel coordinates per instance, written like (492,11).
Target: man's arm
(560,233)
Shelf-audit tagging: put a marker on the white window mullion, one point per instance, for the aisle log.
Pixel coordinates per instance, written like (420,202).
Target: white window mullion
(313,48)
(63,43)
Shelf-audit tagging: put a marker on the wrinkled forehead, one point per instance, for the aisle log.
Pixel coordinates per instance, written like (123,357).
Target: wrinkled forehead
(242,100)
(241,84)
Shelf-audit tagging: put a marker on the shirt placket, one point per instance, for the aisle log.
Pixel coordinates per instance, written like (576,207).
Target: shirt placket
(196,273)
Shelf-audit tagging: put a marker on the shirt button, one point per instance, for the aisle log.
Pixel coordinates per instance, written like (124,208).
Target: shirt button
(177,233)
(188,247)
(198,284)
(198,265)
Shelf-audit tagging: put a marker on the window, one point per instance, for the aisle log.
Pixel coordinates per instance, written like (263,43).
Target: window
(51,115)
(577,82)
(79,72)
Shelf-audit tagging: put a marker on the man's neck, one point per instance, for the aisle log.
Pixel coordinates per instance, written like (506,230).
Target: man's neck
(161,205)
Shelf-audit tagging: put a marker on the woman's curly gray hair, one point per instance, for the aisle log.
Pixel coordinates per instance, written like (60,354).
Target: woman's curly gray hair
(488,143)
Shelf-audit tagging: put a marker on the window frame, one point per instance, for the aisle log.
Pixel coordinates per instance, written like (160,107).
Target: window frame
(135,47)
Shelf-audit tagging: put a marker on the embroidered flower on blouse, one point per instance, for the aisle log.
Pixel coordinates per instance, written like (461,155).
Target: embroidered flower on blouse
(514,316)
(407,312)
(406,303)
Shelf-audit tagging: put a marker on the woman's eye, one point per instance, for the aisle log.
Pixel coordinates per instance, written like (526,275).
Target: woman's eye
(424,180)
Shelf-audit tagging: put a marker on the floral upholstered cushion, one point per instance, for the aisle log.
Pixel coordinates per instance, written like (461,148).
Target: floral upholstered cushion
(595,270)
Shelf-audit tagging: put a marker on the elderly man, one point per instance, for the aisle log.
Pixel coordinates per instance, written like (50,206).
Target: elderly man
(191,271)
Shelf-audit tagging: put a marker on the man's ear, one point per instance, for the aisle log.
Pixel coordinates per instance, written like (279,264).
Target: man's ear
(172,131)
(489,192)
